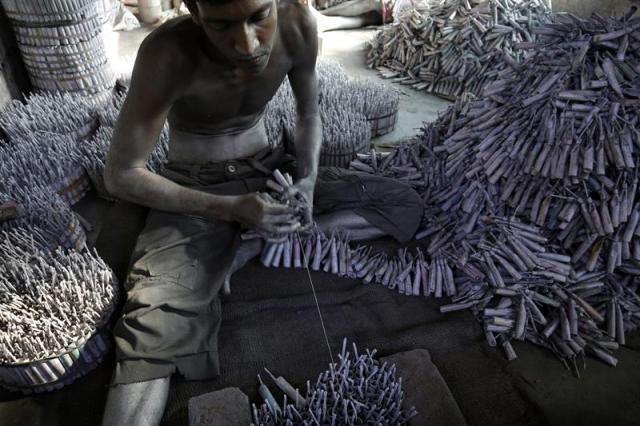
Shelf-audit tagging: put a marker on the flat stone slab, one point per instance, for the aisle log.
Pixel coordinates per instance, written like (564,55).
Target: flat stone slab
(425,389)
(226,407)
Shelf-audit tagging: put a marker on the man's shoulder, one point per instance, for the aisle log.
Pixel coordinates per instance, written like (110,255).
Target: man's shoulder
(169,44)
(297,26)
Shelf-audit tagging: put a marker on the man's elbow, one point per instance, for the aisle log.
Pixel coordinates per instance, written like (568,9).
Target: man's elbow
(113,181)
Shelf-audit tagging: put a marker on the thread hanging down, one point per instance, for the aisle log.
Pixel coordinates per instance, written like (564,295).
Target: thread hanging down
(313,289)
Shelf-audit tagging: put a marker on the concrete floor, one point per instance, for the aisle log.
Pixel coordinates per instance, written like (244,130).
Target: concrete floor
(347,47)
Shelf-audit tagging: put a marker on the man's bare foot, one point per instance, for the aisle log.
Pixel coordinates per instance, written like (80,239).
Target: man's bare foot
(248,250)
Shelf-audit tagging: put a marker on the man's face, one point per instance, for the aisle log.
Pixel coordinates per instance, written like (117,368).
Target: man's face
(242,30)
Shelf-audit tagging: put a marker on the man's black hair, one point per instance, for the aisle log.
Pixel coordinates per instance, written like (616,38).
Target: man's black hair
(191,4)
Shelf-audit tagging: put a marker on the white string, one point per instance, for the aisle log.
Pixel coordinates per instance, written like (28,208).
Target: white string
(324,330)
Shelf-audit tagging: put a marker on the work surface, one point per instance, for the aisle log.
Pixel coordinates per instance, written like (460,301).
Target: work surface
(270,320)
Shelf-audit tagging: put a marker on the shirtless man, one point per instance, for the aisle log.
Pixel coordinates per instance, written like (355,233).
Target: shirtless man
(211,75)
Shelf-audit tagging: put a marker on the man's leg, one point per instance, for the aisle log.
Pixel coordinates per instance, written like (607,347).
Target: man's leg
(136,404)
(172,314)
(248,250)
(349,223)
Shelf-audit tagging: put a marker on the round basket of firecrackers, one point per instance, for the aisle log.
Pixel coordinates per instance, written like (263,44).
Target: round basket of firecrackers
(54,312)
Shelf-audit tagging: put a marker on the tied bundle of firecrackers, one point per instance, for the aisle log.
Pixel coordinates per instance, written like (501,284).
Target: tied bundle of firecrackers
(356,390)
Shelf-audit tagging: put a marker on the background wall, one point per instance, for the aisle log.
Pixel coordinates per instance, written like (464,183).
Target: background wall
(587,7)
(13,76)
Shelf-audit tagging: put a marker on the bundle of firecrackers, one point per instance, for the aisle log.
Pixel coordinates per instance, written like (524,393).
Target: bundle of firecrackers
(54,307)
(356,390)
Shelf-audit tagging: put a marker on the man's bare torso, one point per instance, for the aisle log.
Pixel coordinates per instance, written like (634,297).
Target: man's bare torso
(212,98)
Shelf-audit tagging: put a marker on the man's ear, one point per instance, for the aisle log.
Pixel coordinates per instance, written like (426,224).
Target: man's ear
(193,9)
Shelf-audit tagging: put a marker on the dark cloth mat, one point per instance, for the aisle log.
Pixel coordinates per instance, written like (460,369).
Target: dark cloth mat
(425,389)
(270,320)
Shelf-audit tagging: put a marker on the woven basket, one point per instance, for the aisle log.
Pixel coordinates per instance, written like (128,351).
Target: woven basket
(56,372)
(383,124)
(64,368)
(97,181)
(73,188)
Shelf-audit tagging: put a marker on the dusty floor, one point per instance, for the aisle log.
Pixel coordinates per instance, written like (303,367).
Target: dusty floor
(535,389)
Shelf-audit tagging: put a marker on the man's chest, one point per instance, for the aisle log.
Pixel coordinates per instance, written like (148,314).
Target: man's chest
(223,96)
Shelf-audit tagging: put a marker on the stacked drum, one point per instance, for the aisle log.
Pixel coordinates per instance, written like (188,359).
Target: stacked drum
(62,46)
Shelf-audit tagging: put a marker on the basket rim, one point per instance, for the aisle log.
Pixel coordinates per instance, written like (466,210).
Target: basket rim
(380,117)
(78,344)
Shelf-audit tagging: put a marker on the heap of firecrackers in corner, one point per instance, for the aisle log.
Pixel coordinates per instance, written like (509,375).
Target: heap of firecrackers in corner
(533,223)
(531,193)
(453,47)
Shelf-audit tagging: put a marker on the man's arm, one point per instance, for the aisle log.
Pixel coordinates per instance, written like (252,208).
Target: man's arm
(304,83)
(136,133)
(135,136)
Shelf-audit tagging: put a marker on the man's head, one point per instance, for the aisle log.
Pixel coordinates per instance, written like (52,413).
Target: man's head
(242,30)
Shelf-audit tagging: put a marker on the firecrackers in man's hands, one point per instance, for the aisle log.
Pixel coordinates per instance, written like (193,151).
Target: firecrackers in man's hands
(278,190)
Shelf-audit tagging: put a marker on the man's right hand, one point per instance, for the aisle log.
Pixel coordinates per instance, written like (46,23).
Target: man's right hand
(260,212)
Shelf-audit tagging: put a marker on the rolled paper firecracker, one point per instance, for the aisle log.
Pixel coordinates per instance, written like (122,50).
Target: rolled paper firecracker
(317,254)
(278,255)
(268,253)
(620,331)
(297,251)
(334,256)
(289,391)
(307,252)
(287,253)
(573,318)
(521,321)
(268,398)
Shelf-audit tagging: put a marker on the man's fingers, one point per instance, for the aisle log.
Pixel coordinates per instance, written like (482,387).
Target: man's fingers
(280,219)
(282,229)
